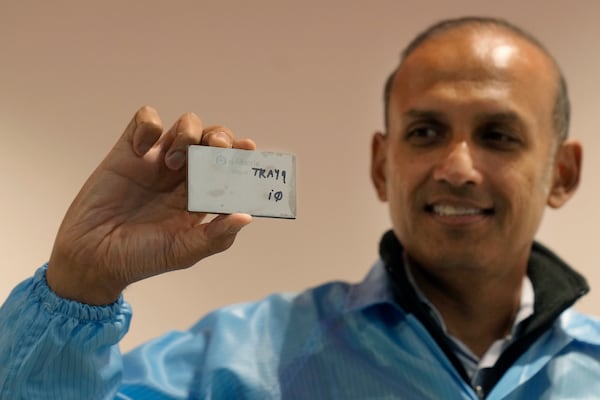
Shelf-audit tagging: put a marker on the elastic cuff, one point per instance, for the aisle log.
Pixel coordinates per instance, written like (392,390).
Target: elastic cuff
(55,304)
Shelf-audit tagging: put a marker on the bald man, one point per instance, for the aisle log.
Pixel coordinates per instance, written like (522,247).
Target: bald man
(462,304)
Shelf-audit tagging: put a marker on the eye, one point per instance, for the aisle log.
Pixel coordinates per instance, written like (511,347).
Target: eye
(424,135)
(500,138)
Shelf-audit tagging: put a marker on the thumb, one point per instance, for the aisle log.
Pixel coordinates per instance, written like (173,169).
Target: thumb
(222,230)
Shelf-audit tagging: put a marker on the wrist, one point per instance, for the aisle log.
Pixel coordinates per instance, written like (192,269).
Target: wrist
(80,283)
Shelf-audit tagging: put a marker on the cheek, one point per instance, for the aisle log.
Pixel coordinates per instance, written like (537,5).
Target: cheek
(548,178)
(406,185)
(527,192)
(541,180)
(404,177)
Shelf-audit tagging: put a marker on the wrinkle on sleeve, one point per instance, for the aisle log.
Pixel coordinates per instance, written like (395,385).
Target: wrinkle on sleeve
(51,347)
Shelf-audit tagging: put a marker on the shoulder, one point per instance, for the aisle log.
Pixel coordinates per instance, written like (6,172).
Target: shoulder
(582,327)
(280,310)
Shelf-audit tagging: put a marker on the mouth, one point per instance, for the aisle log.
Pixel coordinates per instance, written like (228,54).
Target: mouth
(451,210)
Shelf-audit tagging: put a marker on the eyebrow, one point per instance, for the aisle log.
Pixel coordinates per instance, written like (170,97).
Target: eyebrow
(505,116)
(414,113)
(502,116)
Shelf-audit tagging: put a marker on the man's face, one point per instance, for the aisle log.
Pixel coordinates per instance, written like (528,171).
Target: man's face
(468,163)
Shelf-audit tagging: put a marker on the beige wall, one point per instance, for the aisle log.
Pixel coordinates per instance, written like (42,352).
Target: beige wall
(303,77)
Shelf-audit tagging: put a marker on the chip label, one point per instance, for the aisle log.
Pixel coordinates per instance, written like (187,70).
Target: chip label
(225,181)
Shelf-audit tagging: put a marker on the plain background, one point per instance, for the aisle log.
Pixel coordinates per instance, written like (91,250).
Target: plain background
(298,76)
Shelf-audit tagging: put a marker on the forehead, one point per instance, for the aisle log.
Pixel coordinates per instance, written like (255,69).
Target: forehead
(485,58)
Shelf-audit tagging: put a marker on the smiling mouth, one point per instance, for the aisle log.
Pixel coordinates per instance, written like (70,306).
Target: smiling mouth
(447,210)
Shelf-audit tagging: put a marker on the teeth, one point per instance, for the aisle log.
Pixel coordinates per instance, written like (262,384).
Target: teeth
(451,211)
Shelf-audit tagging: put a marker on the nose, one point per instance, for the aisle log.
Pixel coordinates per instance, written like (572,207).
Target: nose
(457,167)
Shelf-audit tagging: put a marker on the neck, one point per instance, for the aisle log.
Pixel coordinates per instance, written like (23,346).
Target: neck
(477,308)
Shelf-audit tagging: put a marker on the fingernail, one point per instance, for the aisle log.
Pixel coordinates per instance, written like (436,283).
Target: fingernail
(224,137)
(143,147)
(175,160)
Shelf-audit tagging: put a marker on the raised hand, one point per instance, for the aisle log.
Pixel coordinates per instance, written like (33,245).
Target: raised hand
(130,220)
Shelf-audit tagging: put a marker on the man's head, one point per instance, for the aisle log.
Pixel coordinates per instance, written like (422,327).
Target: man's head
(472,153)
(562,106)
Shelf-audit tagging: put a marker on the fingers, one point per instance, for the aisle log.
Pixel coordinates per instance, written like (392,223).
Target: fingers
(220,136)
(222,230)
(227,224)
(144,130)
(186,131)
(244,144)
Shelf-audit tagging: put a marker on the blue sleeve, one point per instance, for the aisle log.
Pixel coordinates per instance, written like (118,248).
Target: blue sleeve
(52,348)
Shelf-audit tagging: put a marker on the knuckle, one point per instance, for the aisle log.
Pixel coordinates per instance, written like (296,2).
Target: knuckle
(146,110)
(188,128)
(211,130)
(191,118)
(148,116)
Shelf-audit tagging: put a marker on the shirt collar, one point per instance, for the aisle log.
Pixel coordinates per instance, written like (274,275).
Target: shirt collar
(376,287)
(525,305)
(373,289)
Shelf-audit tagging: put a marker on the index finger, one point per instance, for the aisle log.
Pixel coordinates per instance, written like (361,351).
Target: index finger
(144,130)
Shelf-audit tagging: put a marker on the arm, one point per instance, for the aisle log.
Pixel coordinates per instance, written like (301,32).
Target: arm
(52,348)
(59,330)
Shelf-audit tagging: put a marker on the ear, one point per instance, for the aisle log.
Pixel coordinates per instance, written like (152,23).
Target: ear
(567,172)
(378,164)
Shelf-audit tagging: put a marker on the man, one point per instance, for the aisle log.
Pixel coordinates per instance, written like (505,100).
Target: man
(463,304)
